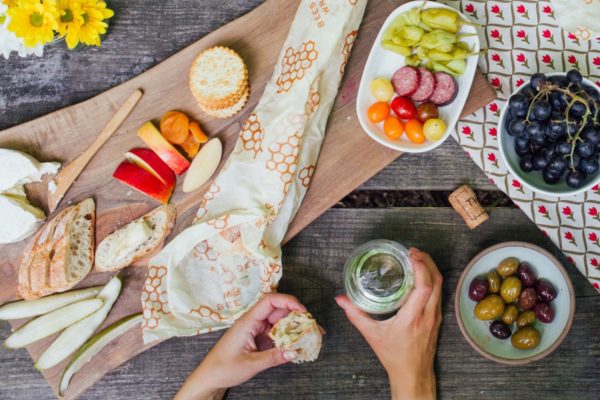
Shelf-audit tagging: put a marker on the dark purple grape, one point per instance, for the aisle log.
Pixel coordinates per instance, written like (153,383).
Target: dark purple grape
(575,179)
(500,330)
(526,274)
(558,165)
(563,148)
(577,109)
(545,291)
(559,80)
(558,103)
(478,289)
(549,152)
(585,149)
(589,165)
(556,129)
(574,77)
(540,138)
(591,135)
(522,145)
(573,127)
(516,127)
(544,312)
(534,128)
(551,177)
(537,80)
(539,162)
(541,110)
(527,298)
(518,102)
(528,92)
(526,163)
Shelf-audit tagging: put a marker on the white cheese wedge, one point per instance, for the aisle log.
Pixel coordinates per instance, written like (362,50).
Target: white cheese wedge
(130,238)
(19,168)
(18,218)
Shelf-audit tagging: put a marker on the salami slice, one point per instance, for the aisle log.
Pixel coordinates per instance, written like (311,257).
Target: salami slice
(445,89)
(406,80)
(426,85)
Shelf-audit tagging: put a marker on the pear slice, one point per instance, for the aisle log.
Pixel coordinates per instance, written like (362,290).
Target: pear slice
(77,334)
(26,309)
(203,166)
(95,345)
(52,322)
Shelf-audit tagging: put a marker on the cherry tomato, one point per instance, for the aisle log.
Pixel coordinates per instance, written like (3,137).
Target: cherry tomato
(414,131)
(434,129)
(378,111)
(382,89)
(427,111)
(404,108)
(393,127)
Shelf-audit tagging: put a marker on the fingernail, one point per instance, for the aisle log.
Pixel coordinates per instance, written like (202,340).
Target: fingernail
(289,355)
(337,300)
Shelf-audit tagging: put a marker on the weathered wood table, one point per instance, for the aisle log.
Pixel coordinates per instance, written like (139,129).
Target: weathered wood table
(143,34)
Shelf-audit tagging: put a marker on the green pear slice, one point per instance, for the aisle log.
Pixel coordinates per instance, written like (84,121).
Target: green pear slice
(52,322)
(32,308)
(77,334)
(203,165)
(95,345)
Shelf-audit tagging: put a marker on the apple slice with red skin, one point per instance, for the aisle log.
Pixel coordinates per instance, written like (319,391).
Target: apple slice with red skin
(138,178)
(163,148)
(152,163)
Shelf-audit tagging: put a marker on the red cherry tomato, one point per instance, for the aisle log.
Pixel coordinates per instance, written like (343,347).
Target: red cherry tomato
(378,111)
(404,108)
(393,127)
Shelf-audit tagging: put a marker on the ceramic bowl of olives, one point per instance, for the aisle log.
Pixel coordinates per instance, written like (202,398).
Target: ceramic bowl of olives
(514,303)
(550,134)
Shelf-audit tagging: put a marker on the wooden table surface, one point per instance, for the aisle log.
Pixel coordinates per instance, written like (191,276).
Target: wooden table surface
(143,34)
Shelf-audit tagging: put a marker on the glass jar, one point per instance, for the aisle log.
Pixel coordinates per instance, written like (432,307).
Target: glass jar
(378,276)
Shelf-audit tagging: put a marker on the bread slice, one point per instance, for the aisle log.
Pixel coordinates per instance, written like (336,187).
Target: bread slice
(61,254)
(136,239)
(298,332)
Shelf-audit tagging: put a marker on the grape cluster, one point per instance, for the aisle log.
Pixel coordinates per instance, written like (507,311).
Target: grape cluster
(556,127)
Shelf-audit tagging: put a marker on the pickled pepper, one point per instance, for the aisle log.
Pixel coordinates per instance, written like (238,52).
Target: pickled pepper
(442,18)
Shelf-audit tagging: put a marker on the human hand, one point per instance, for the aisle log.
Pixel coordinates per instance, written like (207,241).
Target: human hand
(406,343)
(243,351)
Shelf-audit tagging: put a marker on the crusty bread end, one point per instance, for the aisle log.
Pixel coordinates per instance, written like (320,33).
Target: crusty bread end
(298,332)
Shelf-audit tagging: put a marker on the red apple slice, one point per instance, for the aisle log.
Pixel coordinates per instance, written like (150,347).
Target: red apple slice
(138,178)
(161,146)
(152,163)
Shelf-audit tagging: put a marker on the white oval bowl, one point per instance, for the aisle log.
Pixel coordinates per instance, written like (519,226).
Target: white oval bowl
(383,63)
(477,332)
(534,180)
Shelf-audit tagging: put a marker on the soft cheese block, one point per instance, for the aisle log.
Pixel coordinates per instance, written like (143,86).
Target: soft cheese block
(19,168)
(19,218)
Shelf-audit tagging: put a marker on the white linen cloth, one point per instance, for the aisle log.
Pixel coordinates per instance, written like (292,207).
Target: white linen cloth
(212,272)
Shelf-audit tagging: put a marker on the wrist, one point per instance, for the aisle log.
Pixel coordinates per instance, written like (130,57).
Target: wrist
(200,386)
(418,387)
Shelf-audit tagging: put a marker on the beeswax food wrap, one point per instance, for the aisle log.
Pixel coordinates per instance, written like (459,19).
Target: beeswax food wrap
(212,272)
(524,37)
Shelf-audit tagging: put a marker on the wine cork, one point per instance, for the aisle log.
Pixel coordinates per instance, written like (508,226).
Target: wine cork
(465,203)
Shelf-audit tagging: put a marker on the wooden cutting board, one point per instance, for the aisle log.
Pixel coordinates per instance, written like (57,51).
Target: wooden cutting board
(348,157)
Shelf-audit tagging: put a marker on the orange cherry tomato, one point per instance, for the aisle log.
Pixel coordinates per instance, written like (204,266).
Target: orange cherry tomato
(393,127)
(378,111)
(414,131)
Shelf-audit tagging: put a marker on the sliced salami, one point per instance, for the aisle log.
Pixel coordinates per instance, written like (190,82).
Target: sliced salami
(426,85)
(445,89)
(406,80)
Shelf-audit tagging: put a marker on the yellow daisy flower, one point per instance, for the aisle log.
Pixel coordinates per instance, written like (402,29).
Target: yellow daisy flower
(94,14)
(70,21)
(34,21)
(10,3)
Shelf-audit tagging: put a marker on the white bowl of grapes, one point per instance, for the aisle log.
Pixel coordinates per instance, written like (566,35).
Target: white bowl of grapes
(550,134)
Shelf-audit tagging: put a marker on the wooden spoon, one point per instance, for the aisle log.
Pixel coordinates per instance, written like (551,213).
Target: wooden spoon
(65,178)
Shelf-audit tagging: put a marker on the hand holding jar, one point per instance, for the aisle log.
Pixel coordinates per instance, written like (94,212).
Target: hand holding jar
(406,343)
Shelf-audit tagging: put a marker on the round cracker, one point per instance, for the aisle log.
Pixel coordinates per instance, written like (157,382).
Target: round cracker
(230,111)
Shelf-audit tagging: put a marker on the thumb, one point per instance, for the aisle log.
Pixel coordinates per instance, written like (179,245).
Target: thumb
(357,317)
(271,358)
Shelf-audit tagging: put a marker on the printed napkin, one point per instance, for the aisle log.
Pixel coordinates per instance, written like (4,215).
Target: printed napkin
(212,272)
(524,37)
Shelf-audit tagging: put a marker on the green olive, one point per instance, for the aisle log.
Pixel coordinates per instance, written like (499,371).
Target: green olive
(510,314)
(489,308)
(525,319)
(511,289)
(494,282)
(526,338)
(508,266)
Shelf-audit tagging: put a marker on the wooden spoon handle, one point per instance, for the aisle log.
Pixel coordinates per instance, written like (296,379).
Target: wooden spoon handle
(68,174)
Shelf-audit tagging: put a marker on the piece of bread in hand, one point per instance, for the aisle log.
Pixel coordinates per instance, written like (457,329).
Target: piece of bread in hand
(298,332)
(61,254)
(136,239)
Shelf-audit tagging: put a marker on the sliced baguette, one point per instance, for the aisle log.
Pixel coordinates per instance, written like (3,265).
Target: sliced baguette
(61,254)
(112,256)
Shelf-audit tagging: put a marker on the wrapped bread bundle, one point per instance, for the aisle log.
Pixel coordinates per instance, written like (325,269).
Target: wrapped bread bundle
(212,272)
